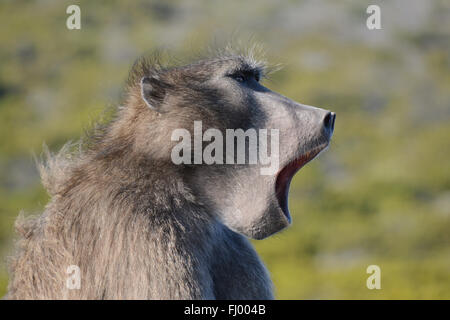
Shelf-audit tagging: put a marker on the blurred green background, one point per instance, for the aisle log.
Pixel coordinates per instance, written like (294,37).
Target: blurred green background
(380,194)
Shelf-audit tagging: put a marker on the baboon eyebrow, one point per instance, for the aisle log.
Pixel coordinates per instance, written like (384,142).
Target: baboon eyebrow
(246,69)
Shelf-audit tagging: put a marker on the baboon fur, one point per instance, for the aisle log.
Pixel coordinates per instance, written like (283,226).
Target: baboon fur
(139,226)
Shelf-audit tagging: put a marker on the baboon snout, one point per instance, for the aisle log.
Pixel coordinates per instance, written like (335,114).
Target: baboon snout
(317,122)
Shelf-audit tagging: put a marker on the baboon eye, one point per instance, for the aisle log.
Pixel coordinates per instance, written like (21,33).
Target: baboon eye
(245,76)
(239,77)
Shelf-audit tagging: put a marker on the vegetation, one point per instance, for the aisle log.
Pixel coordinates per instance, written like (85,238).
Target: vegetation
(380,194)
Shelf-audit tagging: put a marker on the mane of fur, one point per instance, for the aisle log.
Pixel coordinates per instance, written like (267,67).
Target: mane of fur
(97,217)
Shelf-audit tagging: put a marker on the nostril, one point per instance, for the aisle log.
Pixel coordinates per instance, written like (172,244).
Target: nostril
(328,121)
(333,115)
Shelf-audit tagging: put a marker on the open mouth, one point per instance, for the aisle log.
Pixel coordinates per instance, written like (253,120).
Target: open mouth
(287,173)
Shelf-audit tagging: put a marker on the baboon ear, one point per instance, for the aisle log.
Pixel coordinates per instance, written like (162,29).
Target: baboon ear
(153,92)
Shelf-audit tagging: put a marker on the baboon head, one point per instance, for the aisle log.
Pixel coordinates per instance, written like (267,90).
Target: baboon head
(225,93)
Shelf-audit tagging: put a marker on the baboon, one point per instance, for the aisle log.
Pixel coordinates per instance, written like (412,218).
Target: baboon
(139,226)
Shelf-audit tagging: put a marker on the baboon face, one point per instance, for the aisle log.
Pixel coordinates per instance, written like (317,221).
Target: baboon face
(226,93)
